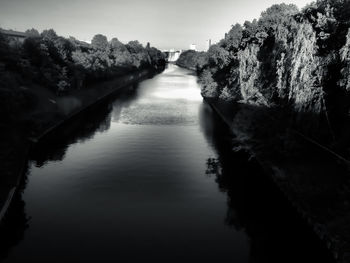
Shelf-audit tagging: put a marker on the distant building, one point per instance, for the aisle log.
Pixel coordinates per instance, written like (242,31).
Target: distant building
(14,36)
(193,47)
(209,43)
(172,55)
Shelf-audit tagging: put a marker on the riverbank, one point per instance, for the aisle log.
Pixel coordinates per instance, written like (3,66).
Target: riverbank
(313,180)
(51,113)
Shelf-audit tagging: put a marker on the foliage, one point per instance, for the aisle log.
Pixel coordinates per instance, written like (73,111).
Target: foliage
(218,56)
(134,47)
(117,45)
(209,87)
(226,94)
(295,60)
(49,34)
(232,39)
(32,32)
(62,64)
(249,29)
(192,60)
(275,16)
(99,41)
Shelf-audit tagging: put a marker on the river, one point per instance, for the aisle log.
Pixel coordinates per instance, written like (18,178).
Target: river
(150,177)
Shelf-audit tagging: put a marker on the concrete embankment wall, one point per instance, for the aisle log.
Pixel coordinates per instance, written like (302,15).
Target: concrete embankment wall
(104,89)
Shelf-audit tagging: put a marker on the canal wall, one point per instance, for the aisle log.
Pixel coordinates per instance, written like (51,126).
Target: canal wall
(14,161)
(306,184)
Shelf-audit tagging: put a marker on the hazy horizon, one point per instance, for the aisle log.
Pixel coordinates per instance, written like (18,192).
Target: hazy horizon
(165,24)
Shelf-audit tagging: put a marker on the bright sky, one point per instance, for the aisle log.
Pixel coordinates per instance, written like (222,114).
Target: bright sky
(164,23)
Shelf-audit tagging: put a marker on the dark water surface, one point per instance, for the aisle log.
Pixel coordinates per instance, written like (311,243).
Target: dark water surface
(150,177)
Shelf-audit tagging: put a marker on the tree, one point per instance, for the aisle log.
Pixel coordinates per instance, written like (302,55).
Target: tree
(82,59)
(63,48)
(218,56)
(276,15)
(233,38)
(226,94)
(192,59)
(341,9)
(209,86)
(32,32)
(49,34)
(117,45)
(99,41)
(250,28)
(134,46)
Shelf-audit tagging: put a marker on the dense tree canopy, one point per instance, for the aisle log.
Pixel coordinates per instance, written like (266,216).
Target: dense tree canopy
(117,45)
(296,60)
(233,38)
(192,59)
(275,16)
(62,64)
(49,34)
(99,41)
(32,32)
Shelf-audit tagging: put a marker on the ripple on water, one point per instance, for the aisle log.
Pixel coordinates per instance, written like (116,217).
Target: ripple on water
(160,113)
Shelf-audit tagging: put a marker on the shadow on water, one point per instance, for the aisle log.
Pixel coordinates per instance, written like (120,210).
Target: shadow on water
(53,148)
(82,128)
(275,231)
(254,204)
(16,221)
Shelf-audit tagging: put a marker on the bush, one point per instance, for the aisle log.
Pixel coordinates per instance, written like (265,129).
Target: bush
(209,86)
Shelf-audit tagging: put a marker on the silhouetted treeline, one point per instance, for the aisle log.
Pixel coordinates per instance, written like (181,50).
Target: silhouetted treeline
(62,64)
(297,60)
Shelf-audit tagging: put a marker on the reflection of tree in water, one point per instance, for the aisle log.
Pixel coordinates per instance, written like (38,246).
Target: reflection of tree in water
(53,148)
(14,223)
(276,232)
(123,101)
(213,167)
(81,128)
